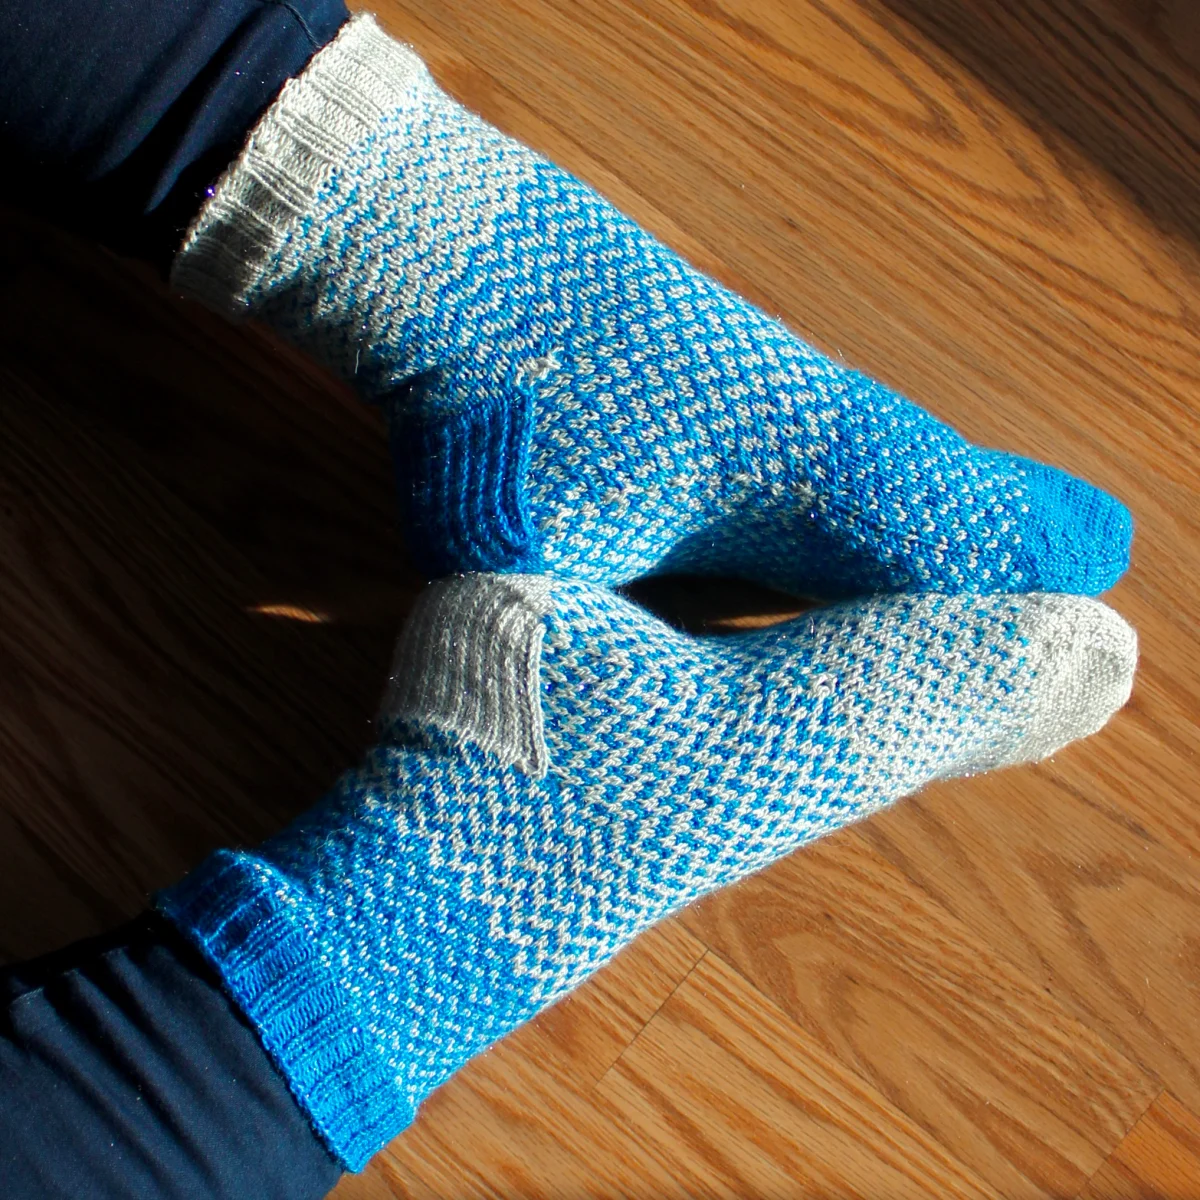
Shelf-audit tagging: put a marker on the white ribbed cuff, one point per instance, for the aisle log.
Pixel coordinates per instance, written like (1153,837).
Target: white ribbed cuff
(319,117)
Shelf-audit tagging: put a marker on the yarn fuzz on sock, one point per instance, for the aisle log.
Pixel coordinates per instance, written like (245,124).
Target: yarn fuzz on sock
(566,394)
(558,769)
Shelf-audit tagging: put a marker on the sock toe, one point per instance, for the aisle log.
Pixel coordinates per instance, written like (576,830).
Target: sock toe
(1078,537)
(1083,656)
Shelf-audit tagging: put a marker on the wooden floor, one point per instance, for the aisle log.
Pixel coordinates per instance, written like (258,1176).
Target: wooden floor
(992,990)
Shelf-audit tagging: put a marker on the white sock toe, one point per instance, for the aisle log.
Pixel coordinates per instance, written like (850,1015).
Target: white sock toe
(1083,656)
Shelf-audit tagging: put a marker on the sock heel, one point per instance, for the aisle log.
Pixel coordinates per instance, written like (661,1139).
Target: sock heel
(460,443)
(468,663)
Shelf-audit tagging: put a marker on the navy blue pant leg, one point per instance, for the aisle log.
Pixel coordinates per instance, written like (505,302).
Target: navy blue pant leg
(116,115)
(125,1071)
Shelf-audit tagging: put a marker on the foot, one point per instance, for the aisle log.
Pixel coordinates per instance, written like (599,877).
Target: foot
(568,395)
(558,770)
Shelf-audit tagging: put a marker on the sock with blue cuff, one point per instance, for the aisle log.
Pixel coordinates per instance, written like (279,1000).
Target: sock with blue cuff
(568,395)
(558,769)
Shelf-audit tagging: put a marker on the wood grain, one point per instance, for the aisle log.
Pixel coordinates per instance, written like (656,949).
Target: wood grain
(383,1179)
(1083,900)
(505,1127)
(580,1037)
(737,1101)
(1159,1159)
(991,989)
(898,991)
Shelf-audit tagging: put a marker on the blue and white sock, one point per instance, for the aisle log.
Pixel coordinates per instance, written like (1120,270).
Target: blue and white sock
(558,770)
(568,395)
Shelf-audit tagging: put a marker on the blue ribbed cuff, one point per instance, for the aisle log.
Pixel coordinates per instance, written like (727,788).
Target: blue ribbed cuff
(257,929)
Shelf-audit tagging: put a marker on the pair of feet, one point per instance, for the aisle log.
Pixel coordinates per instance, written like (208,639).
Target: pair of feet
(573,406)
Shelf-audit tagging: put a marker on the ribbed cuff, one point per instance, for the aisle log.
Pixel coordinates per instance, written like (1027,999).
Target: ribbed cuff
(256,929)
(319,117)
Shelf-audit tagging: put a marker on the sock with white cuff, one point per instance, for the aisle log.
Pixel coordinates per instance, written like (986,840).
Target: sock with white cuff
(568,395)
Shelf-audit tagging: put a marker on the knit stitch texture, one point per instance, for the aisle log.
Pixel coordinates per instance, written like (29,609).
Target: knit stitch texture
(557,770)
(568,395)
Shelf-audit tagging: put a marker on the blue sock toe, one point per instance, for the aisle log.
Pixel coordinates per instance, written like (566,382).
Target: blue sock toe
(1076,538)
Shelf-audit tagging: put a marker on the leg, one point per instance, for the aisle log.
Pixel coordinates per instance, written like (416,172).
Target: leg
(558,770)
(116,115)
(125,1071)
(566,394)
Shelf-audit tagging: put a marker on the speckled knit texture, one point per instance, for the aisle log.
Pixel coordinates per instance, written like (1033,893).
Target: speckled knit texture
(557,770)
(568,395)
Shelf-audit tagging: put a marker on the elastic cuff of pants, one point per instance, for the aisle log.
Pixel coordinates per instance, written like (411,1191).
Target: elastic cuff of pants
(318,118)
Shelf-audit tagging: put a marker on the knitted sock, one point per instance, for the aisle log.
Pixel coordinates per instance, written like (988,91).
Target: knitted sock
(558,770)
(568,395)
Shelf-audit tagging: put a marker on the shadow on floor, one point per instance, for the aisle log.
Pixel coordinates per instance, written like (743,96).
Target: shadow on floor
(1120,79)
